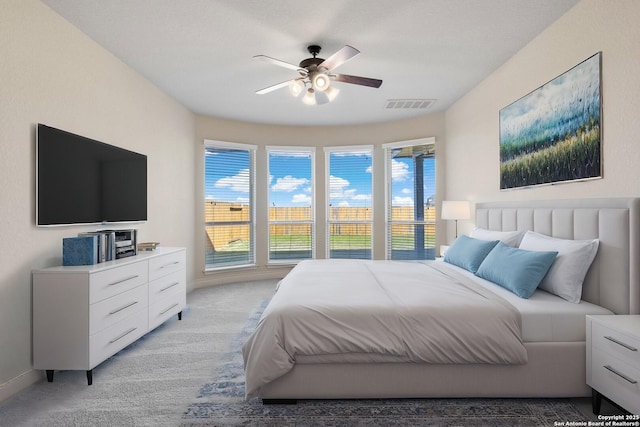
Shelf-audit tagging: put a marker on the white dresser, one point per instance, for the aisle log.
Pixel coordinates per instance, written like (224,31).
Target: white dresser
(613,360)
(83,315)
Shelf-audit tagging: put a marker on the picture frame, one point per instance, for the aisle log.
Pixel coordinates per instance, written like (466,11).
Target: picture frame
(553,134)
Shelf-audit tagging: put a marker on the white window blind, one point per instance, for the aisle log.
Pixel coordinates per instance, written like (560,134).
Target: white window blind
(229,175)
(349,193)
(410,170)
(291,204)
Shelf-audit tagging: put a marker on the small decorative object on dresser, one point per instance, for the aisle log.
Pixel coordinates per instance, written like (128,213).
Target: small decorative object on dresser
(147,246)
(613,360)
(83,315)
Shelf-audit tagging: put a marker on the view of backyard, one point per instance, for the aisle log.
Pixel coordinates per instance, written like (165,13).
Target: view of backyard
(291,223)
(288,241)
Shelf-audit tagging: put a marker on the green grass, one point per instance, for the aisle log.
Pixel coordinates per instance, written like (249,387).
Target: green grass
(576,157)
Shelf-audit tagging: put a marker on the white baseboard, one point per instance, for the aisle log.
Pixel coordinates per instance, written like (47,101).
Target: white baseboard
(19,383)
(248,275)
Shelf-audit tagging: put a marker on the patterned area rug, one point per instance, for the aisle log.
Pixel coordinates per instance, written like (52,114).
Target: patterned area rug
(221,402)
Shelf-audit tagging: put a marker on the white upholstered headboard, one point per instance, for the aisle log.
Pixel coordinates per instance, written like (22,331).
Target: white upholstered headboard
(613,281)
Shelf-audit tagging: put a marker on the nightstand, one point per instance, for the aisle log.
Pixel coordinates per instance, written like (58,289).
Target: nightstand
(613,360)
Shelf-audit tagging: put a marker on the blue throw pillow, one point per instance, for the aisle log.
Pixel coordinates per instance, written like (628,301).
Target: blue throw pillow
(468,253)
(517,270)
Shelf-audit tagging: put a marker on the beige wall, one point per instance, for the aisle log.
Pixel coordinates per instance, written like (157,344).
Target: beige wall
(319,137)
(51,73)
(472,123)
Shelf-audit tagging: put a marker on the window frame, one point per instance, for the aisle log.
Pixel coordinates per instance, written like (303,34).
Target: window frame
(251,149)
(312,221)
(346,149)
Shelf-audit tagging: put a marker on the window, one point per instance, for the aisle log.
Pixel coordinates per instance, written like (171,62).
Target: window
(229,204)
(349,190)
(291,204)
(411,212)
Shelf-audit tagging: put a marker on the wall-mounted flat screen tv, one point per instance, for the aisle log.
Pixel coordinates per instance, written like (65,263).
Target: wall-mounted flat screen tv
(83,181)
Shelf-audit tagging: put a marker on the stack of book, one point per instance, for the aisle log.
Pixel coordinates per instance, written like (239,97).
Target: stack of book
(106,244)
(89,248)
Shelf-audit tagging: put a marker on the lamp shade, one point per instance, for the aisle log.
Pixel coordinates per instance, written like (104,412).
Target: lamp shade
(319,81)
(296,87)
(309,98)
(455,210)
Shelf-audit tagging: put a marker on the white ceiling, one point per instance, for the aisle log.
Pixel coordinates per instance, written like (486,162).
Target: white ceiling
(200,51)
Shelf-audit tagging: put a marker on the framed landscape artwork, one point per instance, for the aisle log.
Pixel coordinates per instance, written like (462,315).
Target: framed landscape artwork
(553,134)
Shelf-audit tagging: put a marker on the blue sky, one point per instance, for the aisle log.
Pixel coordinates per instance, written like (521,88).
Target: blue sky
(290,180)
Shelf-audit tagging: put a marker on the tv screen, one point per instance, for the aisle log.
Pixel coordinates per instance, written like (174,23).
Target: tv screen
(83,181)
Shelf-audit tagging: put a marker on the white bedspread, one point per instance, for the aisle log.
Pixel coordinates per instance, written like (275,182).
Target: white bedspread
(422,312)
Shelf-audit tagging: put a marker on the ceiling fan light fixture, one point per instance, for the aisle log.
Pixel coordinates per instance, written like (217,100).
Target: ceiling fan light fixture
(320,81)
(331,93)
(296,87)
(309,98)
(316,75)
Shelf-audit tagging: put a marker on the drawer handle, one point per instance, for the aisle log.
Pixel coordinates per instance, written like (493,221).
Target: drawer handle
(627,346)
(122,336)
(174,305)
(169,287)
(123,280)
(623,376)
(170,264)
(123,307)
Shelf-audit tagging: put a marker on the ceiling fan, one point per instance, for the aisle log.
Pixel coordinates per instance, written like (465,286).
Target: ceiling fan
(316,76)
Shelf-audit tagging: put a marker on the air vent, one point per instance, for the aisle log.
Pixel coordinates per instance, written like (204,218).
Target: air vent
(412,104)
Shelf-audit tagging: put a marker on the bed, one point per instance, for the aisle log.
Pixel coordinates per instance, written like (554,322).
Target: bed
(551,330)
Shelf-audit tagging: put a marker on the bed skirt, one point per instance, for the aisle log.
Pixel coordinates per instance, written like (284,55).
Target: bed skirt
(553,370)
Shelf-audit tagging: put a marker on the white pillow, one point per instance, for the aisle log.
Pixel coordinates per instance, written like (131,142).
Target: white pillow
(567,273)
(509,238)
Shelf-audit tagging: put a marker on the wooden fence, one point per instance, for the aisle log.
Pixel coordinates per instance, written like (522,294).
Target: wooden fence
(224,212)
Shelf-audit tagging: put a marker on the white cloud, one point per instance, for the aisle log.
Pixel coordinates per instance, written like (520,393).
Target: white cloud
(239,182)
(338,189)
(289,183)
(337,186)
(301,198)
(399,170)
(402,201)
(407,191)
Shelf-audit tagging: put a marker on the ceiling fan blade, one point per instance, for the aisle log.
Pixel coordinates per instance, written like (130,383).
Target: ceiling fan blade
(273,87)
(279,63)
(357,80)
(339,58)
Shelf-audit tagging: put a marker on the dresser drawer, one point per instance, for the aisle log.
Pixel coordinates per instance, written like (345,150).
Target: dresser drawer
(168,306)
(108,283)
(113,339)
(165,264)
(163,286)
(615,343)
(616,379)
(112,310)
